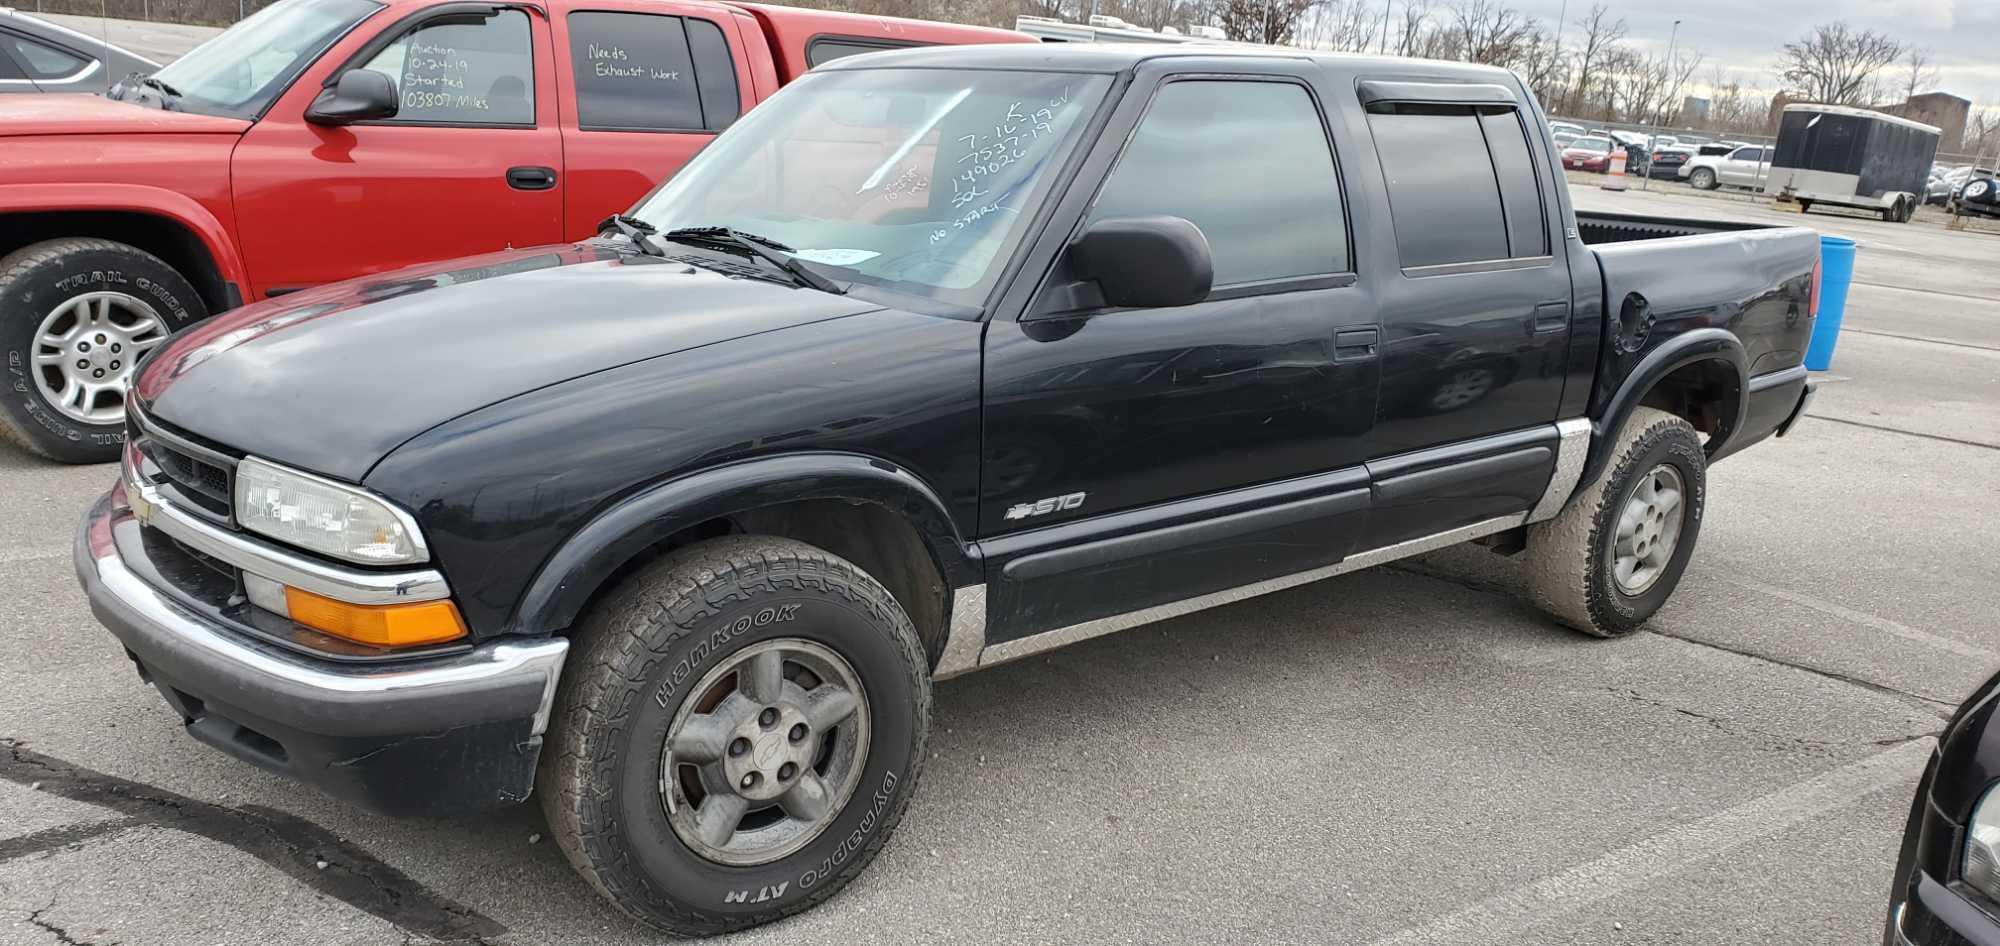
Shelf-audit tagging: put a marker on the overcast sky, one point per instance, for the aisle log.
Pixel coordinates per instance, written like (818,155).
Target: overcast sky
(1744,36)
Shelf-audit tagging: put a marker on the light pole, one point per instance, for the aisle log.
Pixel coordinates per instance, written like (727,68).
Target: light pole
(1672,71)
(1385,25)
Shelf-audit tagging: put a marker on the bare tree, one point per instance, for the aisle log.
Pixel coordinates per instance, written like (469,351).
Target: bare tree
(1601,34)
(1544,66)
(1919,72)
(1982,132)
(1264,21)
(1487,32)
(1679,69)
(1343,26)
(1421,36)
(1836,64)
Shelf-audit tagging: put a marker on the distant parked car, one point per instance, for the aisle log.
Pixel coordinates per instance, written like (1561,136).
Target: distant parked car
(1937,190)
(1743,167)
(1566,128)
(1980,197)
(1588,154)
(1564,139)
(39,56)
(1667,161)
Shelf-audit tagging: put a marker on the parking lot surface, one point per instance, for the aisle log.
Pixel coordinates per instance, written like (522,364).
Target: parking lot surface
(1399,756)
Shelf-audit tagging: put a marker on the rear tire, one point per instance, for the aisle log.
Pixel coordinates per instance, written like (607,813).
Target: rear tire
(56,298)
(1701,179)
(665,711)
(1577,562)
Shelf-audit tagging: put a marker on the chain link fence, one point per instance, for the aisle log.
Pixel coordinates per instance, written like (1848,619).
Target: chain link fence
(191,12)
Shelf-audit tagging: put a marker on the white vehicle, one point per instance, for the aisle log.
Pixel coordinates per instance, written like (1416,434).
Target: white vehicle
(1747,166)
(1567,128)
(1110,29)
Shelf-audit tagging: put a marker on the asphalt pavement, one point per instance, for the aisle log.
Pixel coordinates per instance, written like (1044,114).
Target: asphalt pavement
(1400,756)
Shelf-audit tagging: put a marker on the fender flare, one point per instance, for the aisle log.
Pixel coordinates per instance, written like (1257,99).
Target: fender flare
(1702,344)
(572,574)
(135,198)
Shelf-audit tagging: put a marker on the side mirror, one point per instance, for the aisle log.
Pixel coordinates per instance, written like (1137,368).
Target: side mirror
(360,95)
(1151,262)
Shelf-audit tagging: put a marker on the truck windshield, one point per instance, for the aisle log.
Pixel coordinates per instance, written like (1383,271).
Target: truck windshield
(242,69)
(915,181)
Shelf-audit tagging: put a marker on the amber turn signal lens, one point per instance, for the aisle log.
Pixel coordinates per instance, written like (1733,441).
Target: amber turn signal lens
(389,625)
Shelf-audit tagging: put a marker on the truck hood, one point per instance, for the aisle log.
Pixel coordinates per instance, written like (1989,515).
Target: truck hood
(78,114)
(332,379)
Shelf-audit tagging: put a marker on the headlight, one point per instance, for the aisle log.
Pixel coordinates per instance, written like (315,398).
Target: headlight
(324,516)
(1982,848)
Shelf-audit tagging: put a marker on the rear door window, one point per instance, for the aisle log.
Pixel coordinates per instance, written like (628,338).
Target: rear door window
(40,60)
(1520,186)
(1270,212)
(1462,183)
(457,71)
(651,72)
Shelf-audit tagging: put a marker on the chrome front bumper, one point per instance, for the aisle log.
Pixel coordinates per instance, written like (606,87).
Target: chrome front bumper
(429,736)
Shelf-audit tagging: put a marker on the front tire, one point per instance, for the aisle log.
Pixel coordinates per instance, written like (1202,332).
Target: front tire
(737,735)
(75,315)
(1702,179)
(1616,552)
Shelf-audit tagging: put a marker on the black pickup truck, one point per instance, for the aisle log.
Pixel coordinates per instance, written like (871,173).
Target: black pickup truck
(938,359)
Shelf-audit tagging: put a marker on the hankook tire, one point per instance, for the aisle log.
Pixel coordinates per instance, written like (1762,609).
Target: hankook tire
(737,733)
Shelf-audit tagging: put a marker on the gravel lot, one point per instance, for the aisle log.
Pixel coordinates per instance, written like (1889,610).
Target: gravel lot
(1401,756)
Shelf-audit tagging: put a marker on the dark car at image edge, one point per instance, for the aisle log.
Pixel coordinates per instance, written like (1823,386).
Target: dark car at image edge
(932,362)
(1946,890)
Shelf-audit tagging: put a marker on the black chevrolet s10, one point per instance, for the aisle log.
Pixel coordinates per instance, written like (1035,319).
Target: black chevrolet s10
(1947,886)
(938,359)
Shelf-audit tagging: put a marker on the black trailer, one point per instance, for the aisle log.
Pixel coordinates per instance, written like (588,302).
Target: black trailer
(1852,157)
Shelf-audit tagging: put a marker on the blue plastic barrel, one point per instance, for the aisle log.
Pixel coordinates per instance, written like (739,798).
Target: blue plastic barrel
(1836,270)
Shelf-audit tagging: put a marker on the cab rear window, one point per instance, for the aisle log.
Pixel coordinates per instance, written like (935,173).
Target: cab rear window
(651,72)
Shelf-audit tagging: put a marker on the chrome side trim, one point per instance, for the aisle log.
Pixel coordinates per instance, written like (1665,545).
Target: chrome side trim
(1049,640)
(967,635)
(549,660)
(1572,449)
(277,564)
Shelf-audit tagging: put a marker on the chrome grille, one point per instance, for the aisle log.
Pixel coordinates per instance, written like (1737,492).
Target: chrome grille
(198,479)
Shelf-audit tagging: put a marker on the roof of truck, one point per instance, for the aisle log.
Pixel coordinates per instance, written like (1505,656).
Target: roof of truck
(1119,57)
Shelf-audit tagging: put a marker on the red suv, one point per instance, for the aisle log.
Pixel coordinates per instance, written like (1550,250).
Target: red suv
(320,140)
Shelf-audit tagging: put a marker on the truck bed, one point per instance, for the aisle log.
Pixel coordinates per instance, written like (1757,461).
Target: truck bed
(1597,228)
(1664,278)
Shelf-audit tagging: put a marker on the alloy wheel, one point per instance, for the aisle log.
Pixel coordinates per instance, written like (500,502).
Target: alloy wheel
(1649,529)
(765,752)
(84,351)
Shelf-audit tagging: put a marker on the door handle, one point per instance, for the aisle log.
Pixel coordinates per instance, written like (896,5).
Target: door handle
(531,178)
(1354,345)
(1551,317)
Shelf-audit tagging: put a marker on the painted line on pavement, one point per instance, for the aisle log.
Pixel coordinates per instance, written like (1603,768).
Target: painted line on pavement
(1886,626)
(1643,864)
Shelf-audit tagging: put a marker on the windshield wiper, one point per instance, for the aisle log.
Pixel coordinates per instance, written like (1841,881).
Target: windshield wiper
(766,248)
(634,229)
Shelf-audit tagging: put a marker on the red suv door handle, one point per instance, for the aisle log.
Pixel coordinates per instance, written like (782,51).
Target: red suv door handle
(531,178)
